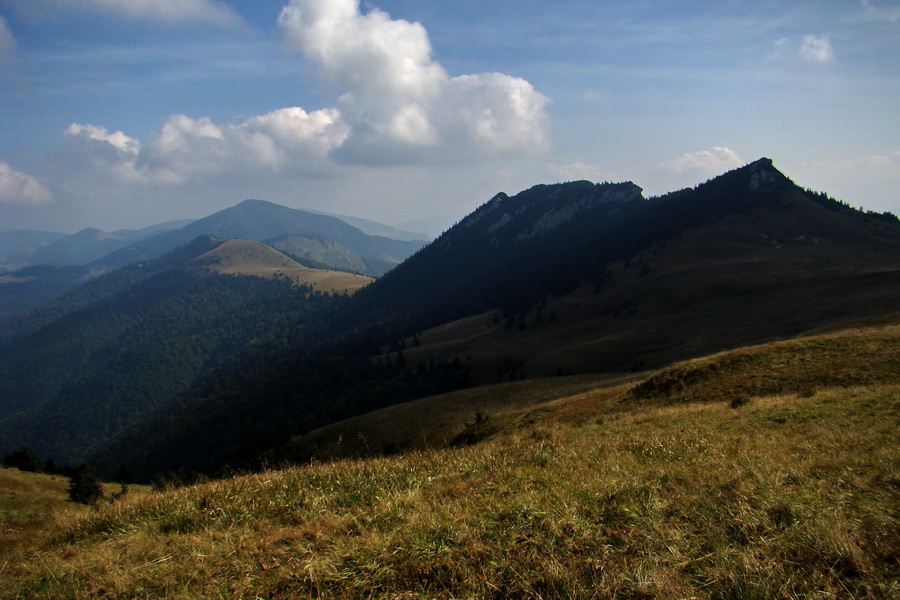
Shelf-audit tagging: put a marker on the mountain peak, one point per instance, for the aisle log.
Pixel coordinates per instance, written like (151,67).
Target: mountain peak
(763,172)
(542,208)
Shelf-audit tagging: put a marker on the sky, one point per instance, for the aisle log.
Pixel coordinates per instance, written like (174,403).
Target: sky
(125,113)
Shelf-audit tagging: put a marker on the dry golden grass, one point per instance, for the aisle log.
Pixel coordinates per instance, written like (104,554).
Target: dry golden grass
(435,422)
(246,257)
(33,503)
(789,495)
(858,356)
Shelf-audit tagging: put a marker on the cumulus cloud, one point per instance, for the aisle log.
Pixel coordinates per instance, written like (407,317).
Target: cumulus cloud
(399,104)
(816,49)
(186,149)
(7,40)
(288,140)
(716,160)
(17,187)
(395,105)
(165,11)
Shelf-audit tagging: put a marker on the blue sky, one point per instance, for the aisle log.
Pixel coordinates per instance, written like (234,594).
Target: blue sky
(124,113)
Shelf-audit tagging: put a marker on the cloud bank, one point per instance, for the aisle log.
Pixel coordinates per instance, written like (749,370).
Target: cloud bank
(187,150)
(395,106)
(17,187)
(399,104)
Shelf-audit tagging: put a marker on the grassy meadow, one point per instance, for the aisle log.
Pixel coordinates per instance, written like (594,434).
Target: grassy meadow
(714,486)
(246,257)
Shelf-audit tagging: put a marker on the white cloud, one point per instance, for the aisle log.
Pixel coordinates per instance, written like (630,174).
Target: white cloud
(716,160)
(399,104)
(165,11)
(7,40)
(395,106)
(812,48)
(186,149)
(289,140)
(17,187)
(816,49)
(90,148)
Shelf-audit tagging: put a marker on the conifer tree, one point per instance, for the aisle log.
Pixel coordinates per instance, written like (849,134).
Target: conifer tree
(84,486)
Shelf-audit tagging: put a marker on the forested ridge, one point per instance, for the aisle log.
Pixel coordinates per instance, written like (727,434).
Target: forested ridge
(167,368)
(131,344)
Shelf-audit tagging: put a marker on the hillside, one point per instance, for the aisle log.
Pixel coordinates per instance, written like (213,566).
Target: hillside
(563,279)
(109,354)
(262,221)
(853,357)
(29,287)
(246,257)
(749,238)
(787,492)
(45,265)
(16,245)
(33,504)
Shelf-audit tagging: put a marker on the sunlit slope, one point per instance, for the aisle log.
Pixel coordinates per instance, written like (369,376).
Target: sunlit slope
(246,257)
(791,491)
(853,357)
(35,503)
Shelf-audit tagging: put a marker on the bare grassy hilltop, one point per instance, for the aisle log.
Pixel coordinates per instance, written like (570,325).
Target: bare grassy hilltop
(764,472)
(247,257)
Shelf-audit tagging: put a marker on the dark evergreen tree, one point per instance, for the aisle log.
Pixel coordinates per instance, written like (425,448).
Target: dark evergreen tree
(24,459)
(124,475)
(84,486)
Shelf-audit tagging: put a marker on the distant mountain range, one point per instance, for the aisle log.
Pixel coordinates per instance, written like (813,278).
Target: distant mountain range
(263,221)
(20,249)
(315,240)
(572,278)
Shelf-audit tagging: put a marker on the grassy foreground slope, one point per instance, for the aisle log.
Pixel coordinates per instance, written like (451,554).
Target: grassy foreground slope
(33,503)
(852,357)
(637,493)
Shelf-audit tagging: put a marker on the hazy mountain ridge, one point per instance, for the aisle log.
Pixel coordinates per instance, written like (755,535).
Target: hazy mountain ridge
(627,284)
(16,245)
(19,249)
(109,353)
(262,221)
(564,278)
(316,240)
(49,264)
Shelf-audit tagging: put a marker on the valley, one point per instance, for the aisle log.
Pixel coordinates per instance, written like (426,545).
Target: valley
(574,391)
